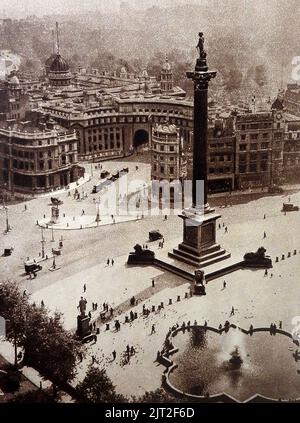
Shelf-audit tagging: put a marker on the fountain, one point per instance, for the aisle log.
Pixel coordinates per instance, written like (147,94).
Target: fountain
(236,359)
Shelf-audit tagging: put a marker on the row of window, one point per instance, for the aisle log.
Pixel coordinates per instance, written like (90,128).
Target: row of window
(164,170)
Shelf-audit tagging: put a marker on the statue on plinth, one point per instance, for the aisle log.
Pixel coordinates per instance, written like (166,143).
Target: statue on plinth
(200,45)
(82,306)
(199,288)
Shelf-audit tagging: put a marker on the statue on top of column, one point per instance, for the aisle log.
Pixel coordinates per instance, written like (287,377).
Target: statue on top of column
(200,45)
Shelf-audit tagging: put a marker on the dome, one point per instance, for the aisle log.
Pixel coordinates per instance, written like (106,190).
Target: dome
(50,60)
(59,64)
(166,66)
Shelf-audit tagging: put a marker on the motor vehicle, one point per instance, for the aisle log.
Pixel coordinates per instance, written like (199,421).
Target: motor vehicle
(155,235)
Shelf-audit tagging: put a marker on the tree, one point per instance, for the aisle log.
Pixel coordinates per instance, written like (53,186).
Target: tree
(96,387)
(157,396)
(14,308)
(35,396)
(50,348)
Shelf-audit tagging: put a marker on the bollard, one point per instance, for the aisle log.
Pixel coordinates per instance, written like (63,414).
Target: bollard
(161,305)
(170,301)
(153,308)
(186,295)
(277,260)
(282,257)
(107,326)
(178,297)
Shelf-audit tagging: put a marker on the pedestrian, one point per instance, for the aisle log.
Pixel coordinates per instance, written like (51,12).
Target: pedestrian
(84,288)
(114,354)
(226,230)
(153,329)
(166,217)
(232,311)
(265,235)
(128,349)
(90,315)
(96,306)
(111,311)
(93,359)
(266,272)
(25,207)
(264,216)
(82,212)
(95,338)
(153,283)
(224,284)
(94,326)
(93,306)
(108,261)
(112,262)
(132,350)
(219,226)
(280,324)
(42,304)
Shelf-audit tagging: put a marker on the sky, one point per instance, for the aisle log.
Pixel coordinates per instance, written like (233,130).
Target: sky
(23,8)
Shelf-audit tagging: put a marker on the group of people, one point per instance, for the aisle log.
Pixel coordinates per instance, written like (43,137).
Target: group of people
(110,261)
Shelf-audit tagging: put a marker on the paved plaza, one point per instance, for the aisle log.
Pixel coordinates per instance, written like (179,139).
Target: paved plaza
(257,299)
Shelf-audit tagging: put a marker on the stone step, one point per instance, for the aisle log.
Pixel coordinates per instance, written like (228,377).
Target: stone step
(203,257)
(194,261)
(195,252)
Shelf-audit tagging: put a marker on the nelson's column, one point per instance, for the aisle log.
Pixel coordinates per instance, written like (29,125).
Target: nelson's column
(199,246)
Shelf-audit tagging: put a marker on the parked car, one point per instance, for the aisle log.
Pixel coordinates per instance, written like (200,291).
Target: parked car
(155,235)
(288,207)
(32,267)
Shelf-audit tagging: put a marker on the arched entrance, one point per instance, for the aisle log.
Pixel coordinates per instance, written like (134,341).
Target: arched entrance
(140,138)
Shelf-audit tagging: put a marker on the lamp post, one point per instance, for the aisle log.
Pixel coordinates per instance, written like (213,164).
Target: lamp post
(98,211)
(43,243)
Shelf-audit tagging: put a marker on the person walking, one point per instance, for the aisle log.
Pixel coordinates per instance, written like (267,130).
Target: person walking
(265,235)
(112,262)
(108,261)
(111,311)
(153,283)
(84,288)
(153,330)
(224,285)
(114,354)
(232,311)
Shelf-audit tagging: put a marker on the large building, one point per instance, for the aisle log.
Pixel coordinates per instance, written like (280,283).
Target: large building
(259,147)
(168,162)
(14,101)
(37,158)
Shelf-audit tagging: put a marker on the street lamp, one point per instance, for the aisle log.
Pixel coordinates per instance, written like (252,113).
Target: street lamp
(98,211)
(43,243)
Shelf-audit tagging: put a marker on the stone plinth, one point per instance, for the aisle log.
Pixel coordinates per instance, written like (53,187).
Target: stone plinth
(199,247)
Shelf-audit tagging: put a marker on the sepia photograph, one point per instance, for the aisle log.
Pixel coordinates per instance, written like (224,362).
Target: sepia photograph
(149,205)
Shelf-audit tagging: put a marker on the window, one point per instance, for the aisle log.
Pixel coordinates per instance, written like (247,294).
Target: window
(253,136)
(162,148)
(242,147)
(171,170)
(242,168)
(253,167)
(253,146)
(162,169)
(171,147)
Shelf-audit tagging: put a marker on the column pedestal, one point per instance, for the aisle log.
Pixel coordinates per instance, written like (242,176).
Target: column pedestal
(199,247)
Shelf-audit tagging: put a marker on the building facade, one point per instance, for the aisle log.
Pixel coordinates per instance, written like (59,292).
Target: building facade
(37,160)
(259,149)
(168,162)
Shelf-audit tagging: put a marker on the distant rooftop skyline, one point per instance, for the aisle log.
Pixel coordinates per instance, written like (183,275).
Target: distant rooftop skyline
(18,9)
